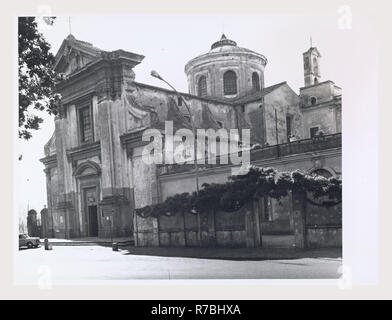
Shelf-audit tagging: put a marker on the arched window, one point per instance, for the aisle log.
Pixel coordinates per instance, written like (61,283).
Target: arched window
(229,82)
(255,81)
(313,101)
(202,87)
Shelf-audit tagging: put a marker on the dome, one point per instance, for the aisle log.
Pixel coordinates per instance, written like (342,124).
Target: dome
(227,45)
(224,46)
(225,55)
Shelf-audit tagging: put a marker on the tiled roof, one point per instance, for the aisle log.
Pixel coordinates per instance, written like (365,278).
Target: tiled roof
(254,96)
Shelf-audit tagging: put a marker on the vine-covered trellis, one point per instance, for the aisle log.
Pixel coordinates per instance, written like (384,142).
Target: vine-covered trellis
(241,189)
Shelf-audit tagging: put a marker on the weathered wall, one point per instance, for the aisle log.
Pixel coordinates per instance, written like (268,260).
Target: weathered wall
(279,212)
(324,237)
(255,116)
(326,119)
(173,183)
(324,111)
(243,228)
(323,92)
(112,182)
(279,221)
(286,103)
(222,229)
(159,98)
(323,225)
(144,180)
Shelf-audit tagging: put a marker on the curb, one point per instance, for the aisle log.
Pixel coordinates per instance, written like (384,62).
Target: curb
(87,243)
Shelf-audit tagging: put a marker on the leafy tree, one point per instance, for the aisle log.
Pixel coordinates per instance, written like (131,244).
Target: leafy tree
(36,76)
(242,189)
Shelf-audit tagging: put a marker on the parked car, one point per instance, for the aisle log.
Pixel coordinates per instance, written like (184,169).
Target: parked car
(29,242)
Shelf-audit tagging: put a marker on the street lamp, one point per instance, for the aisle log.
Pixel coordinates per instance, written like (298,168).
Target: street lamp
(155,74)
(158,76)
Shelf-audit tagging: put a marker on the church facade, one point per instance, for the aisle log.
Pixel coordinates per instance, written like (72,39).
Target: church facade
(95,173)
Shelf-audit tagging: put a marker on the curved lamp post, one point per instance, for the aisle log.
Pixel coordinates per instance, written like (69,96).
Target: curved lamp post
(155,74)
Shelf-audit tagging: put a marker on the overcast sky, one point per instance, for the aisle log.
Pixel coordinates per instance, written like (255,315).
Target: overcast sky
(169,41)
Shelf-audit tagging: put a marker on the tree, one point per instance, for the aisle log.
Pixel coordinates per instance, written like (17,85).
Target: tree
(36,76)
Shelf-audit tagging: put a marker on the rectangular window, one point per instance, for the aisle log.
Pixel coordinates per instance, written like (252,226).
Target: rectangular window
(86,125)
(313,131)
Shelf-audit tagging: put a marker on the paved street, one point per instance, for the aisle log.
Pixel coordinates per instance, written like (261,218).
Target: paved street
(84,264)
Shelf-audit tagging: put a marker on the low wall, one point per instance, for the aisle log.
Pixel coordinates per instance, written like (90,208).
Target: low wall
(323,225)
(318,237)
(309,226)
(276,227)
(221,229)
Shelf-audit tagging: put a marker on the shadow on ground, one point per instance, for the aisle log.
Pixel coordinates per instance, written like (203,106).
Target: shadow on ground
(25,248)
(235,253)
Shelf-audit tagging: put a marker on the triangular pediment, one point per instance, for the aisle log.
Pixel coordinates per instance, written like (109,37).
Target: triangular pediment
(74,54)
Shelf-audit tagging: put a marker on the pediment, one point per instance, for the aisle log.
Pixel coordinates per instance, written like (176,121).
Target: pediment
(74,54)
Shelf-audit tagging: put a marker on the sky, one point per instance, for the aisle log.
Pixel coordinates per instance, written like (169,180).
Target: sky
(169,41)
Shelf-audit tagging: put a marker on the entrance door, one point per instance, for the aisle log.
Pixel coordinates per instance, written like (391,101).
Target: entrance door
(91,212)
(93,221)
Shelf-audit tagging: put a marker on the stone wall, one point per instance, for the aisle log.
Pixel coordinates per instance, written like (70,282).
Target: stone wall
(318,237)
(323,225)
(221,229)
(243,228)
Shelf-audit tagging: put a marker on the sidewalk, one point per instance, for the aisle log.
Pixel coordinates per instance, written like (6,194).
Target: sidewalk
(266,253)
(88,241)
(236,253)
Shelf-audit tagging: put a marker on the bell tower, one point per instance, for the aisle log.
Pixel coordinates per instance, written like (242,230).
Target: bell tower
(312,74)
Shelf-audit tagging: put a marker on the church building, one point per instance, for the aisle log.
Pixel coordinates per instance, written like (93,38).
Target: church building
(93,162)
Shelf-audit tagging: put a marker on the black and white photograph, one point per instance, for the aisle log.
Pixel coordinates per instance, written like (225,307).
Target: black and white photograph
(120,185)
(194,148)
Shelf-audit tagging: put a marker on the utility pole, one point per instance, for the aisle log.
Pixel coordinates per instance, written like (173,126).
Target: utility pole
(276,132)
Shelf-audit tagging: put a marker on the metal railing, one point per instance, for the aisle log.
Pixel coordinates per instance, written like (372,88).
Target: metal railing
(268,152)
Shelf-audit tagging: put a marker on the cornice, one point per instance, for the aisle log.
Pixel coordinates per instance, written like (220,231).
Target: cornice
(132,140)
(85,151)
(49,161)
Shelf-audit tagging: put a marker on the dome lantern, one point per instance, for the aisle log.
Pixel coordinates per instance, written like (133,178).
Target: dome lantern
(223,42)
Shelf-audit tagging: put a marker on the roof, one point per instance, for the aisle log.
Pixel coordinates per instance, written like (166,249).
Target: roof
(205,98)
(83,46)
(313,49)
(227,47)
(257,95)
(90,53)
(250,97)
(223,42)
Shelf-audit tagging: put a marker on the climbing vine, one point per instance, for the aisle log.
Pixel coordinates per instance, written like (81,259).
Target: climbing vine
(241,189)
